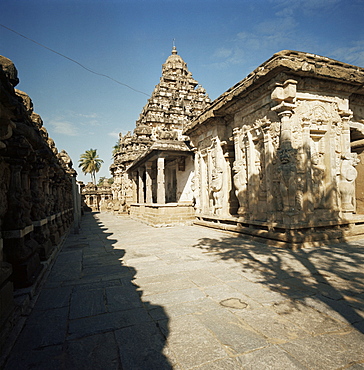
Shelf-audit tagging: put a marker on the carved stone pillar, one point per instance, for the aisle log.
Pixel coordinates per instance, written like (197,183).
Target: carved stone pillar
(236,133)
(161,192)
(239,168)
(196,188)
(140,185)
(204,187)
(345,142)
(148,183)
(14,218)
(135,186)
(286,134)
(285,95)
(268,155)
(252,195)
(308,205)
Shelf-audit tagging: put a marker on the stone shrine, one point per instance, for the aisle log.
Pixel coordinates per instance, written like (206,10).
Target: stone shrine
(154,166)
(276,156)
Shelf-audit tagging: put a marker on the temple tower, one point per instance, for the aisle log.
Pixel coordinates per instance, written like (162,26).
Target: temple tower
(175,102)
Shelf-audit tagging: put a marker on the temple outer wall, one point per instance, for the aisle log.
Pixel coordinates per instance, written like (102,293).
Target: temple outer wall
(37,198)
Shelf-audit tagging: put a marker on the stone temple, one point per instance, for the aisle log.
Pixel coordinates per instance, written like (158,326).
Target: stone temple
(153,170)
(276,157)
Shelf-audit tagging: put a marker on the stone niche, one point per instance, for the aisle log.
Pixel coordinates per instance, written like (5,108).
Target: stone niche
(276,156)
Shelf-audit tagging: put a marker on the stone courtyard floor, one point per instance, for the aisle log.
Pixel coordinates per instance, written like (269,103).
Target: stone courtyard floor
(123,295)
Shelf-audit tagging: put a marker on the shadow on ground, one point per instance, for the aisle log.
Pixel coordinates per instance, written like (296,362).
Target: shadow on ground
(89,314)
(329,278)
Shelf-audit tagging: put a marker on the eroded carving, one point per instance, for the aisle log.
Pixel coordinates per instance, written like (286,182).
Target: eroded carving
(348,174)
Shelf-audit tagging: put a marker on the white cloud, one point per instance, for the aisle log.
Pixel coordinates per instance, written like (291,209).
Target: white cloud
(90,115)
(273,34)
(308,7)
(222,53)
(91,122)
(276,28)
(226,57)
(63,127)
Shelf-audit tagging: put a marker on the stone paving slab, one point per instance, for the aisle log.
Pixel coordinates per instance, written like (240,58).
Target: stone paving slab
(123,295)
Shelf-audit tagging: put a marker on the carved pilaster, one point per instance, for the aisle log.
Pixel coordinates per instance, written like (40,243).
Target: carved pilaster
(345,141)
(268,156)
(196,184)
(240,172)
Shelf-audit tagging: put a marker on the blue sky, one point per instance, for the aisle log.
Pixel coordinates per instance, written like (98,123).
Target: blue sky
(129,40)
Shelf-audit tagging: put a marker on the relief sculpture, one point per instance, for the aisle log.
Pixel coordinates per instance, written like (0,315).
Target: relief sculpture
(348,174)
(216,187)
(318,176)
(287,174)
(217,177)
(240,183)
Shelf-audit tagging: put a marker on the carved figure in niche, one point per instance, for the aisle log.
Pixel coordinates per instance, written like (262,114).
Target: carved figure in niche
(259,165)
(287,174)
(216,187)
(217,176)
(318,176)
(348,174)
(38,200)
(240,183)
(319,115)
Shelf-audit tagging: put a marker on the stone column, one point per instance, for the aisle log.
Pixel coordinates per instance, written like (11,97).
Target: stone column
(345,117)
(161,191)
(148,183)
(204,185)
(135,186)
(140,185)
(286,134)
(251,172)
(196,183)
(237,137)
(308,199)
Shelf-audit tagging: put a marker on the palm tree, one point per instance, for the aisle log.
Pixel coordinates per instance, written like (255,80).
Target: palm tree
(90,163)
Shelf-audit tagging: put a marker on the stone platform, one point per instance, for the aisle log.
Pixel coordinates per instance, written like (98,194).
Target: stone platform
(124,295)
